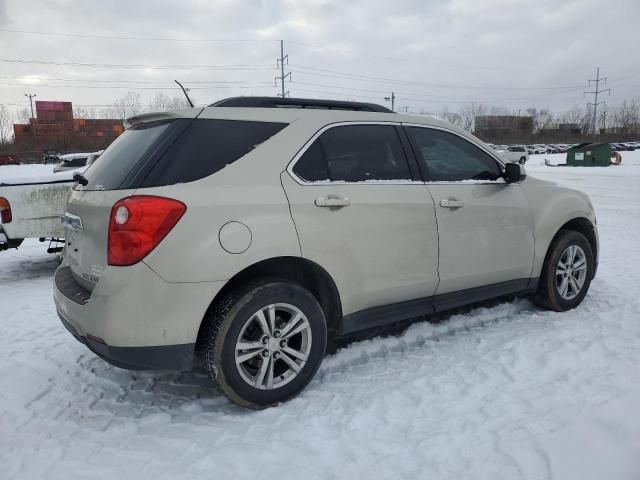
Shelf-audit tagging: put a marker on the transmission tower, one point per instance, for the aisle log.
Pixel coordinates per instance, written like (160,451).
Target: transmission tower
(596,91)
(281,63)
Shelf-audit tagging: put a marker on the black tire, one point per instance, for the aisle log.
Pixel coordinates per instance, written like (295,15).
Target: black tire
(523,160)
(547,295)
(225,323)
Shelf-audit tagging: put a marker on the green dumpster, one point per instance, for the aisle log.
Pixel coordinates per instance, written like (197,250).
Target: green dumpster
(589,155)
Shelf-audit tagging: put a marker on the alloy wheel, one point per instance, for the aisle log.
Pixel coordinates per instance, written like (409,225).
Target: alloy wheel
(273,346)
(571,272)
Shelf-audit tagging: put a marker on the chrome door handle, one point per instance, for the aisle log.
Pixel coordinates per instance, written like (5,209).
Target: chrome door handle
(451,203)
(332,201)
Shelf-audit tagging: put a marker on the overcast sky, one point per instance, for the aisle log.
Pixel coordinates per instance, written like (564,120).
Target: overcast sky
(513,53)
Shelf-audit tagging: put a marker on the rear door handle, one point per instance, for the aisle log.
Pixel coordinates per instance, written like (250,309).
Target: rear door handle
(332,201)
(451,203)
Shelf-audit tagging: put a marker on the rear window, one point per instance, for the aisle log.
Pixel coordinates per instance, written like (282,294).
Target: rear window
(206,147)
(111,169)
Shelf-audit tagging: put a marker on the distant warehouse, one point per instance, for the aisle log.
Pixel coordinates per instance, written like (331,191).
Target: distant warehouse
(54,128)
(496,126)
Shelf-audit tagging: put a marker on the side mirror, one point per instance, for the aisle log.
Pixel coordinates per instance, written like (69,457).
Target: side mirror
(514,172)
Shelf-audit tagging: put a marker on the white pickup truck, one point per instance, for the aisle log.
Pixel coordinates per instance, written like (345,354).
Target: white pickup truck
(31,208)
(31,205)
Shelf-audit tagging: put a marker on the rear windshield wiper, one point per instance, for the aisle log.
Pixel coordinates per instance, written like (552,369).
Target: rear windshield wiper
(78,177)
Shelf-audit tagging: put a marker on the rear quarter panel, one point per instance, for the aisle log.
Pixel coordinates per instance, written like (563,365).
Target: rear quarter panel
(248,191)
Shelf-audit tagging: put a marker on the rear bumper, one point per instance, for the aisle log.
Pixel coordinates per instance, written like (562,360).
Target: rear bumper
(134,319)
(164,357)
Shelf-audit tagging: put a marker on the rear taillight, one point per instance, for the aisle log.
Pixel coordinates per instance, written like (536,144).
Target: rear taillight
(5,211)
(138,224)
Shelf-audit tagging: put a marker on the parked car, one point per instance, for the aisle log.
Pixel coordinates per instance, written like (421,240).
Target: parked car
(72,161)
(9,160)
(51,156)
(516,154)
(243,236)
(552,149)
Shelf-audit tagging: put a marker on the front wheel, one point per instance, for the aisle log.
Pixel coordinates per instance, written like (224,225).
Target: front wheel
(265,343)
(566,273)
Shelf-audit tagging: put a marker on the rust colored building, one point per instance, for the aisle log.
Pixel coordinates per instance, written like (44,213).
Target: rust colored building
(54,128)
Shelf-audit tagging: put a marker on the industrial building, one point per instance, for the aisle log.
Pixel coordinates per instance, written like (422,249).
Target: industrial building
(495,126)
(54,128)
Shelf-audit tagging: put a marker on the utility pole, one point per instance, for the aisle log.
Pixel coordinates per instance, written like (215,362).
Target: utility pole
(280,62)
(393,100)
(30,95)
(596,91)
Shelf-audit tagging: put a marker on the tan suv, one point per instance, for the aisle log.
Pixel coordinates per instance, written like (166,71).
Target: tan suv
(244,235)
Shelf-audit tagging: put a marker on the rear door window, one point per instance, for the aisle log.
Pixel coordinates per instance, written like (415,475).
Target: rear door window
(355,153)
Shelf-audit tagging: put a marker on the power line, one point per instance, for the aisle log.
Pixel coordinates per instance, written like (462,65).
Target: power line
(241,66)
(355,76)
(142,82)
(111,87)
(153,39)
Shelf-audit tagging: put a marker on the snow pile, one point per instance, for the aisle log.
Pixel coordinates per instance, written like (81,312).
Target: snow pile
(506,392)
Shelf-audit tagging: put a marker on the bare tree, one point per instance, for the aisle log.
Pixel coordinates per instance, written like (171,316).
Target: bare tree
(80,112)
(542,118)
(163,102)
(125,107)
(451,117)
(628,114)
(468,114)
(23,115)
(6,126)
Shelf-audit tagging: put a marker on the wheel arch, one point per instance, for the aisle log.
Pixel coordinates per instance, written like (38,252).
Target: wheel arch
(585,227)
(301,271)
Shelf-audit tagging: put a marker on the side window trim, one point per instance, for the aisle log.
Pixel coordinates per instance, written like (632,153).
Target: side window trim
(314,137)
(423,167)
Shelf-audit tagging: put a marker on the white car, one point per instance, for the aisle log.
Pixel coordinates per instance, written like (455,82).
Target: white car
(243,236)
(515,154)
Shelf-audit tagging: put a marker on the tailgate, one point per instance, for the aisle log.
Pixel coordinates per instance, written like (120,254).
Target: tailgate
(86,229)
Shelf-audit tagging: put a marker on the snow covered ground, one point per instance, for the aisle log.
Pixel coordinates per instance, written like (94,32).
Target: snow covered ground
(506,392)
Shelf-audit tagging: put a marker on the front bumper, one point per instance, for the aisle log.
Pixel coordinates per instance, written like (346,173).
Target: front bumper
(134,319)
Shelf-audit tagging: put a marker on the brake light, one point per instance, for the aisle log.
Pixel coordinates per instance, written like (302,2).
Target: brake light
(138,224)
(5,211)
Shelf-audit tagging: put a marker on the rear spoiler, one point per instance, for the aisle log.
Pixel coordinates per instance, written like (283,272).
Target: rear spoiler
(159,116)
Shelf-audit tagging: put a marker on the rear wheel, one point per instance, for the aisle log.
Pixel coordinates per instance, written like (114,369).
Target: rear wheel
(566,273)
(265,343)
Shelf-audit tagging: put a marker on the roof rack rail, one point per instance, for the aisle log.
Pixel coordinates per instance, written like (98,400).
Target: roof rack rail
(279,102)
